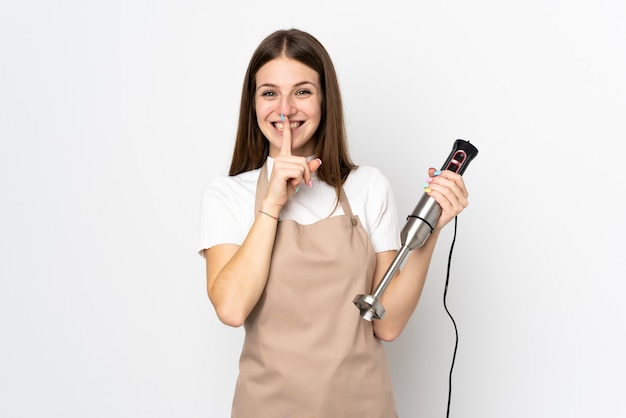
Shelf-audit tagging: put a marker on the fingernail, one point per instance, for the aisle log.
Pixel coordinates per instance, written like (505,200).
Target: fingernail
(427,190)
(310,183)
(297,189)
(429,179)
(425,185)
(319,161)
(282,117)
(436,173)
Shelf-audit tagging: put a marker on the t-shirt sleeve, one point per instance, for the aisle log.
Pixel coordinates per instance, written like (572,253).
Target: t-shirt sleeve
(381,213)
(223,214)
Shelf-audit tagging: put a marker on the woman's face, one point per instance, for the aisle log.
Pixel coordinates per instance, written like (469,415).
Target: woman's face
(289,87)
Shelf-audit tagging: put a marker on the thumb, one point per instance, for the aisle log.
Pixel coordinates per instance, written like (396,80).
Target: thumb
(314,165)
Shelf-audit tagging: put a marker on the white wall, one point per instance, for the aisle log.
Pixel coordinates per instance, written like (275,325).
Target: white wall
(114,115)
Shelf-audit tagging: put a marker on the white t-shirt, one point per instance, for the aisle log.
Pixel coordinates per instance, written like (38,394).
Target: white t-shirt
(227,208)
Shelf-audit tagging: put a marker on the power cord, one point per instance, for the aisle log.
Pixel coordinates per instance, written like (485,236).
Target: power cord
(456,332)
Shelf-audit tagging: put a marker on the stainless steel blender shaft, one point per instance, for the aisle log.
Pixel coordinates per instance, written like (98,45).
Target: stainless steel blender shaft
(418,228)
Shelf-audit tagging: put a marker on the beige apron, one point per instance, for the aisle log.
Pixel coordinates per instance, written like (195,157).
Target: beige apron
(307,352)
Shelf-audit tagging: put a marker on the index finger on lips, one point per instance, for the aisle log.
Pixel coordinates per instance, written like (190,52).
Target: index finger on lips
(285,148)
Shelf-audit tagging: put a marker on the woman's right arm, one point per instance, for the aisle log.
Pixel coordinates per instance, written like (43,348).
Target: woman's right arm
(236,275)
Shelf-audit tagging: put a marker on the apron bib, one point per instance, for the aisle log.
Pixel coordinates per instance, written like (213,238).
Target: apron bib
(307,352)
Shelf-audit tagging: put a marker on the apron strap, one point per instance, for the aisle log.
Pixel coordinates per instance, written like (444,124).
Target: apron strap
(261,187)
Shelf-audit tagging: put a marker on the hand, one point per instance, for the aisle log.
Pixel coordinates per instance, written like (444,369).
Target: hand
(448,189)
(289,172)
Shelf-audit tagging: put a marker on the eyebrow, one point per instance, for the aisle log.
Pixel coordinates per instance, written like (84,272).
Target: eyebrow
(302,83)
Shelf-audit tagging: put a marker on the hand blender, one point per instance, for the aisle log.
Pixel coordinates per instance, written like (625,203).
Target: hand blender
(420,224)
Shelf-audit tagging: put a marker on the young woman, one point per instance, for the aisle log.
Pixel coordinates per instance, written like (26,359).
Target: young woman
(295,232)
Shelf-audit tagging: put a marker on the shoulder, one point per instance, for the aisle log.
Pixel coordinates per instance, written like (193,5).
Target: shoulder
(226,187)
(369,187)
(367,172)
(232,194)
(368,178)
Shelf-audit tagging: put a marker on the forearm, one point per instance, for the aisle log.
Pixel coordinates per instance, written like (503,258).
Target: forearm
(403,292)
(235,286)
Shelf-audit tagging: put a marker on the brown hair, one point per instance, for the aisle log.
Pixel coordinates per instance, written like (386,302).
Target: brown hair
(252,148)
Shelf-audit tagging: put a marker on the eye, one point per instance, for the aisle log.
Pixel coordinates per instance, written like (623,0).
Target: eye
(303,92)
(268,93)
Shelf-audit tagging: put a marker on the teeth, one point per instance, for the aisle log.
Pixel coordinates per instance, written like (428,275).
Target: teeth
(292,125)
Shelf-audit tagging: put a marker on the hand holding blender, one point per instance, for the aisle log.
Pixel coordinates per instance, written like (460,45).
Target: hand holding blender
(420,224)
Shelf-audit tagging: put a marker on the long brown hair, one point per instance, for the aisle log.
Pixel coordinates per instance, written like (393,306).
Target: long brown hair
(252,148)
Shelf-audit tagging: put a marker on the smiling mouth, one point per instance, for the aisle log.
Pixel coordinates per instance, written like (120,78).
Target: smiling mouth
(292,125)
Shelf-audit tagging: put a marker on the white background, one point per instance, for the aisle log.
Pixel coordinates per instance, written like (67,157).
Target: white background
(114,116)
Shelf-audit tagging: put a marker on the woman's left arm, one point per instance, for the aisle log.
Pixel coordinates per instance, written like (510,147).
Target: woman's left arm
(403,292)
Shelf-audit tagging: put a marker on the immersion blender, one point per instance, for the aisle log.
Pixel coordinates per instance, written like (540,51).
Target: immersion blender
(420,224)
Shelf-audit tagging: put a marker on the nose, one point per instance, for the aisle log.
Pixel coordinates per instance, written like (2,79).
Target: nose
(287,106)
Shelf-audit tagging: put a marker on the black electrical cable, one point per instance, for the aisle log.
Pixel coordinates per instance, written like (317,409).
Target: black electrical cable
(456,332)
